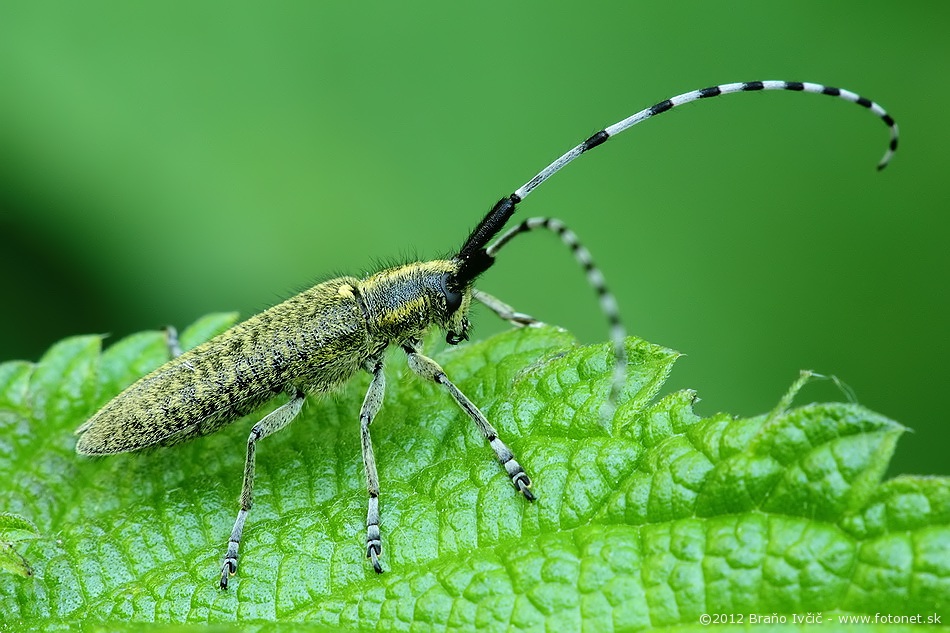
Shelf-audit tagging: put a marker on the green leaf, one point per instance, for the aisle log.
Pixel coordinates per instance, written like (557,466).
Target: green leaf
(14,528)
(648,520)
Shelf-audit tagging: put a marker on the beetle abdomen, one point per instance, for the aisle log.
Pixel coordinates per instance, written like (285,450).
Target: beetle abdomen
(314,341)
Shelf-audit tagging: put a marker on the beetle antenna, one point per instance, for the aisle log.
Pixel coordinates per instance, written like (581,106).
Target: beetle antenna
(608,304)
(473,255)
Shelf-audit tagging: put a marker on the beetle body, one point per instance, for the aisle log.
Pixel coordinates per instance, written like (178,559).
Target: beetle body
(315,341)
(311,343)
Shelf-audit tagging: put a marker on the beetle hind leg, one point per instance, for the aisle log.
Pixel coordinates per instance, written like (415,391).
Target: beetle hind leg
(172,342)
(271,423)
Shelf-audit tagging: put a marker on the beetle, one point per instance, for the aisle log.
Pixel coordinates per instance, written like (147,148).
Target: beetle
(317,340)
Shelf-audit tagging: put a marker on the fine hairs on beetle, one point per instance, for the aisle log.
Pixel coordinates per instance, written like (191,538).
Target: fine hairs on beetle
(317,340)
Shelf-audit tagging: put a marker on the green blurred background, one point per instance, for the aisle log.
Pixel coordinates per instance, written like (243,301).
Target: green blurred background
(160,161)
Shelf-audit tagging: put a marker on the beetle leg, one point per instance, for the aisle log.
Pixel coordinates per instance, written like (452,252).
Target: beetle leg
(271,423)
(172,342)
(505,311)
(371,405)
(430,370)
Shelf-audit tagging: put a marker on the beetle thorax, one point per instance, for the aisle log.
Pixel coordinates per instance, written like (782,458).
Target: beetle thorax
(402,303)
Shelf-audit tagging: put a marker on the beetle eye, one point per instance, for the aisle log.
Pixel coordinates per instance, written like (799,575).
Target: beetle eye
(453,298)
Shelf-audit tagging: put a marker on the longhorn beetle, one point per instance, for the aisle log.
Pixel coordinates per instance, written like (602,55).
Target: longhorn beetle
(315,341)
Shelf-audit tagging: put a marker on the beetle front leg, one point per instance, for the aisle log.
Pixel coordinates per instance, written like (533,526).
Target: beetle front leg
(430,370)
(505,311)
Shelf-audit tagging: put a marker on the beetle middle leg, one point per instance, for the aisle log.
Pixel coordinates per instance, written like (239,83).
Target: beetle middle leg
(371,405)
(430,370)
(271,423)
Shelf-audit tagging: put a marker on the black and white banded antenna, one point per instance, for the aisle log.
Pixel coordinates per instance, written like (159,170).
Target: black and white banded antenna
(476,256)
